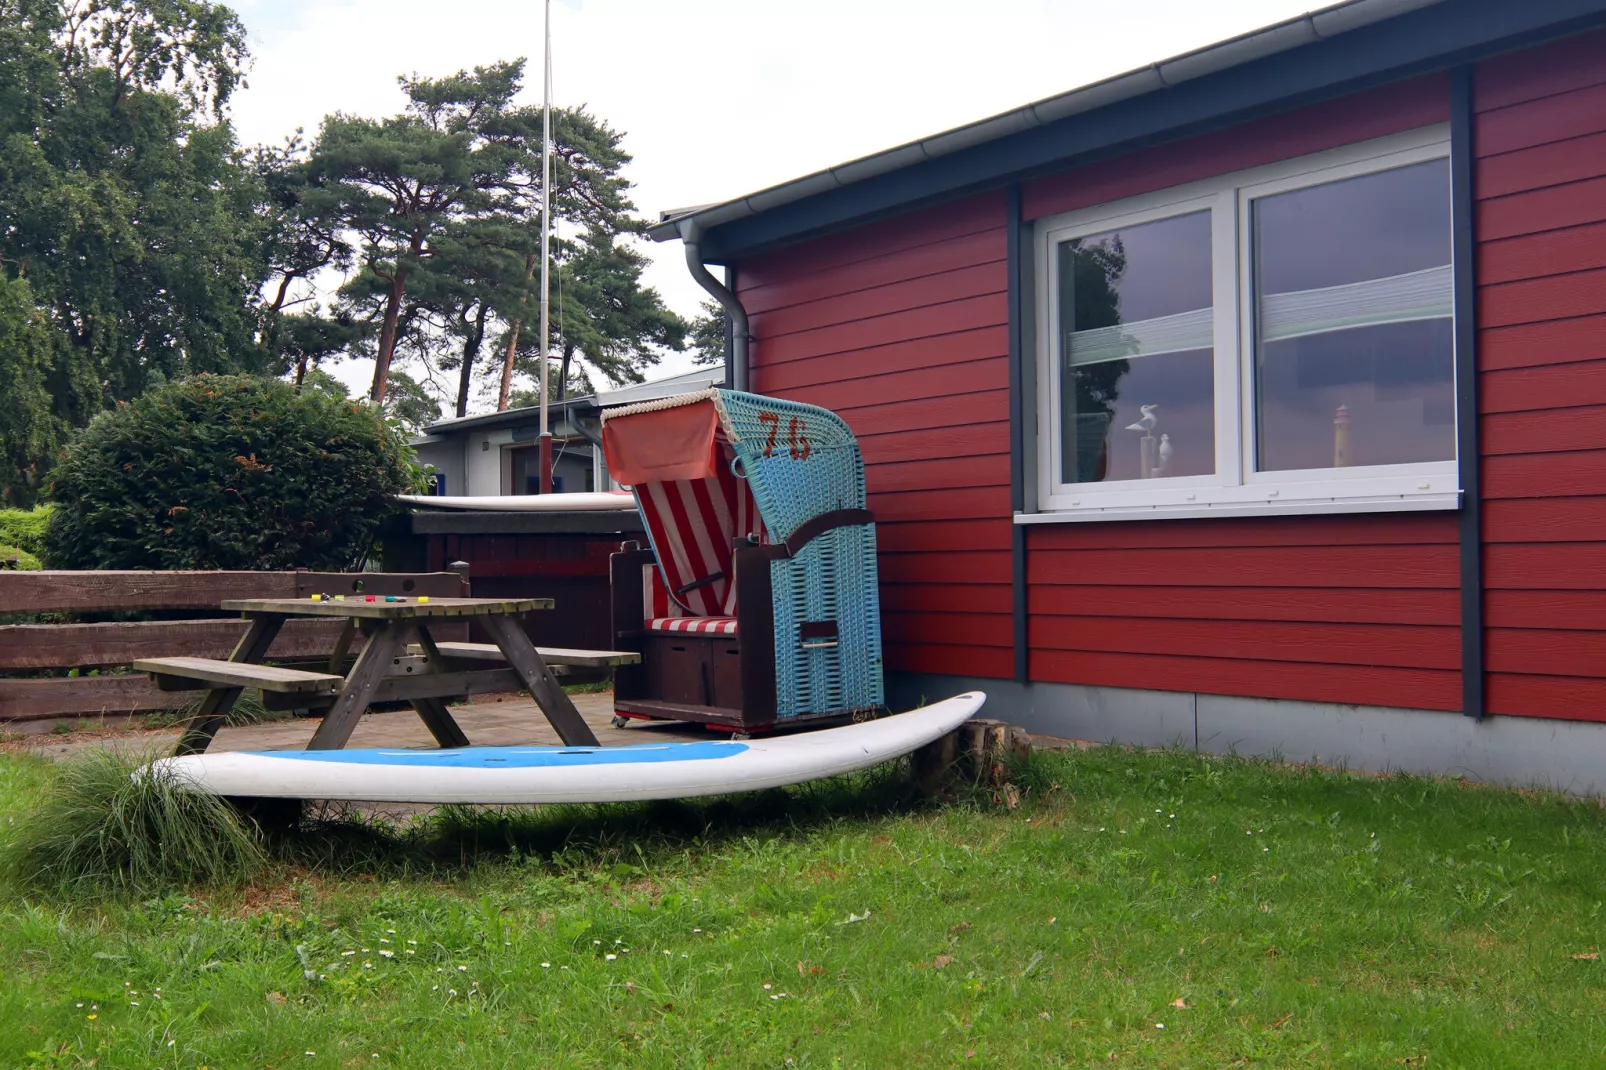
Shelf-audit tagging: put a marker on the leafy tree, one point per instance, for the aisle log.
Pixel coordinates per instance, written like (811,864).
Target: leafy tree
(408,403)
(606,317)
(707,334)
(453,295)
(124,202)
(404,179)
(1089,273)
(578,384)
(1092,270)
(303,237)
(304,340)
(618,326)
(228,472)
(30,429)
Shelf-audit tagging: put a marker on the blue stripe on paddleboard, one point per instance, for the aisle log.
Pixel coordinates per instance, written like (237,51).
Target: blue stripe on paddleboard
(515,757)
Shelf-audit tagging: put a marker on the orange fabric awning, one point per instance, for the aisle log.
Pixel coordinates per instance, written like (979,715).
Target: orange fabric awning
(663,446)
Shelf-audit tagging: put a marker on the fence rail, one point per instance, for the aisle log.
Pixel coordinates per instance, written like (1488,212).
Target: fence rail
(106,646)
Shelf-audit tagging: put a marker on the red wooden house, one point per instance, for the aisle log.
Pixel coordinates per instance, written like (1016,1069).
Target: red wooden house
(1255,399)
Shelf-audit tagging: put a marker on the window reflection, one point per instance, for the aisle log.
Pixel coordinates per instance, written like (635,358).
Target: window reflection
(1137,352)
(1354,300)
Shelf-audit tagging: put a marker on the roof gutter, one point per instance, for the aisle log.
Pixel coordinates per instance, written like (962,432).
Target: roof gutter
(690,232)
(1293,33)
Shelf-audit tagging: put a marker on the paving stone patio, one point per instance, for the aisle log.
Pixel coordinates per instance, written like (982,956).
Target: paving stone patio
(489,720)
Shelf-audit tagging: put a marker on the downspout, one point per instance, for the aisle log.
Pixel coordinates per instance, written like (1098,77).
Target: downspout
(736,366)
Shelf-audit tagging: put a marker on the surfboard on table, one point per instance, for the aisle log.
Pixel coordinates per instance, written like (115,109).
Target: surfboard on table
(533,774)
(589,501)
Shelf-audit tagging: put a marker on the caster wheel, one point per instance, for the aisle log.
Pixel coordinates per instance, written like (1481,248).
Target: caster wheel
(619,721)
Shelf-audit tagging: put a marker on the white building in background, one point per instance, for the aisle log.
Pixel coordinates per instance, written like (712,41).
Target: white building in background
(499,453)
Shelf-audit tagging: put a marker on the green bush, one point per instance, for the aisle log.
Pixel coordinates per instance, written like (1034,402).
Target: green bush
(24,528)
(25,562)
(227,472)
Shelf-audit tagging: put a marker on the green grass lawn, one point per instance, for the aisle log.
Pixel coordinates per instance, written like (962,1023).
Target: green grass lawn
(1145,909)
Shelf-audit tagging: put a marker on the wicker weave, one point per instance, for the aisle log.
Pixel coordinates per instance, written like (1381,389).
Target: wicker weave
(801,461)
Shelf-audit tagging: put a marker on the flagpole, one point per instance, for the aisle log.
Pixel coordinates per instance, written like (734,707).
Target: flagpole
(546,238)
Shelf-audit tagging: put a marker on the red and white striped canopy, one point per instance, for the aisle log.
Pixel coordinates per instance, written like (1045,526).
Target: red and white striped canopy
(693,505)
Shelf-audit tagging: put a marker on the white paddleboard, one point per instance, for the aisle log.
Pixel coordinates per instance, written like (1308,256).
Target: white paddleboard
(579,502)
(494,775)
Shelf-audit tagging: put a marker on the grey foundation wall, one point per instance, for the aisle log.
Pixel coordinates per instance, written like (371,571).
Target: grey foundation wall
(1521,751)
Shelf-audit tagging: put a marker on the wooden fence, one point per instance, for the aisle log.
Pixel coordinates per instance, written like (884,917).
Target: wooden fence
(108,647)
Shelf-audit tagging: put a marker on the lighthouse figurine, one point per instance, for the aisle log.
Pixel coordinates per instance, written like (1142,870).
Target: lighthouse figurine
(1341,437)
(1148,444)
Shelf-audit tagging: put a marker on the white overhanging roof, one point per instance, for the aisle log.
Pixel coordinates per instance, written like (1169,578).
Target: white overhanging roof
(1280,37)
(686,383)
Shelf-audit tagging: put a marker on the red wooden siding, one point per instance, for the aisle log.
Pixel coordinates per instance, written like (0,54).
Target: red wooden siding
(901,327)
(1359,609)
(1541,185)
(1356,609)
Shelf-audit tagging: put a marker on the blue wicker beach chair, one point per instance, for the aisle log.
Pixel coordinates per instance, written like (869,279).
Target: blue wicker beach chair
(757,603)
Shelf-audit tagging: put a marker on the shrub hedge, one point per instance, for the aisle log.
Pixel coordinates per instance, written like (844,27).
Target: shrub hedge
(14,557)
(24,528)
(227,472)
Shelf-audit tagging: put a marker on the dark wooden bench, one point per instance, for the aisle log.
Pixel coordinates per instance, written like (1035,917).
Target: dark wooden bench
(195,674)
(553,656)
(286,688)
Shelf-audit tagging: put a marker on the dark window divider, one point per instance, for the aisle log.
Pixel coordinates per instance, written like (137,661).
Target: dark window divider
(1463,215)
(1017,246)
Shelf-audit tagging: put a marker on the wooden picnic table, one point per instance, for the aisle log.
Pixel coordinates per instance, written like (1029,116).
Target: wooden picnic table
(385,670)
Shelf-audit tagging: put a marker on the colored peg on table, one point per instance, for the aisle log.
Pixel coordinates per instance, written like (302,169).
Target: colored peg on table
(317,598)
(390,598)
(340,598)
(423,598)
(368,598)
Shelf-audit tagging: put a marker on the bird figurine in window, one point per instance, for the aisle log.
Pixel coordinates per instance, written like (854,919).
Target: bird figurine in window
(1147,467)
(1166,453)
(1147,421)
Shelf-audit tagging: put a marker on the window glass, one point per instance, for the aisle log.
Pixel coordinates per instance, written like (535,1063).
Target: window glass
(1137,390)
(1354,342)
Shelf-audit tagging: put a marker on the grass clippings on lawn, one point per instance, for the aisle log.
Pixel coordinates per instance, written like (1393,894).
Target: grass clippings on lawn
(1136,909)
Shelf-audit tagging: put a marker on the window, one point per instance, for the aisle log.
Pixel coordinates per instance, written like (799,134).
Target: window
(1136,321)
(1281,340)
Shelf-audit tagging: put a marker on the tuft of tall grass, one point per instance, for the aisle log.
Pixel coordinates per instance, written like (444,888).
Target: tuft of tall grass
(98,830)
(248,709)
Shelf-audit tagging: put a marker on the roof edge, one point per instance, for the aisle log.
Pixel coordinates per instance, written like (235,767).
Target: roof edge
(1283,36)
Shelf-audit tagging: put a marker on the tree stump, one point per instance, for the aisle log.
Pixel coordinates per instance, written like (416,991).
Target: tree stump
(988,746)
(934,763)
(980,749)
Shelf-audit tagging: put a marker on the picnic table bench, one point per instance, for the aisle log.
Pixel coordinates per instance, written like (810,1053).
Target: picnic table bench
(425,674)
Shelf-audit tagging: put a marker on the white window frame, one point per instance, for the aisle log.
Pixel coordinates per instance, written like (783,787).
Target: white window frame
(1236,488)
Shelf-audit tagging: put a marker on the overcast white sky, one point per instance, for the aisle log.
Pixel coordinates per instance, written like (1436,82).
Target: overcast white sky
(722,97)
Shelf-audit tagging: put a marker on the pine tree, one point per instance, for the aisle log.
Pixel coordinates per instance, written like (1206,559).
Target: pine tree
(606,317)
(403,180)
(707,334)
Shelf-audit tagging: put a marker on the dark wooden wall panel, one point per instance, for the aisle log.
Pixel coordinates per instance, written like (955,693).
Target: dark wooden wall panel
(1540,137)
